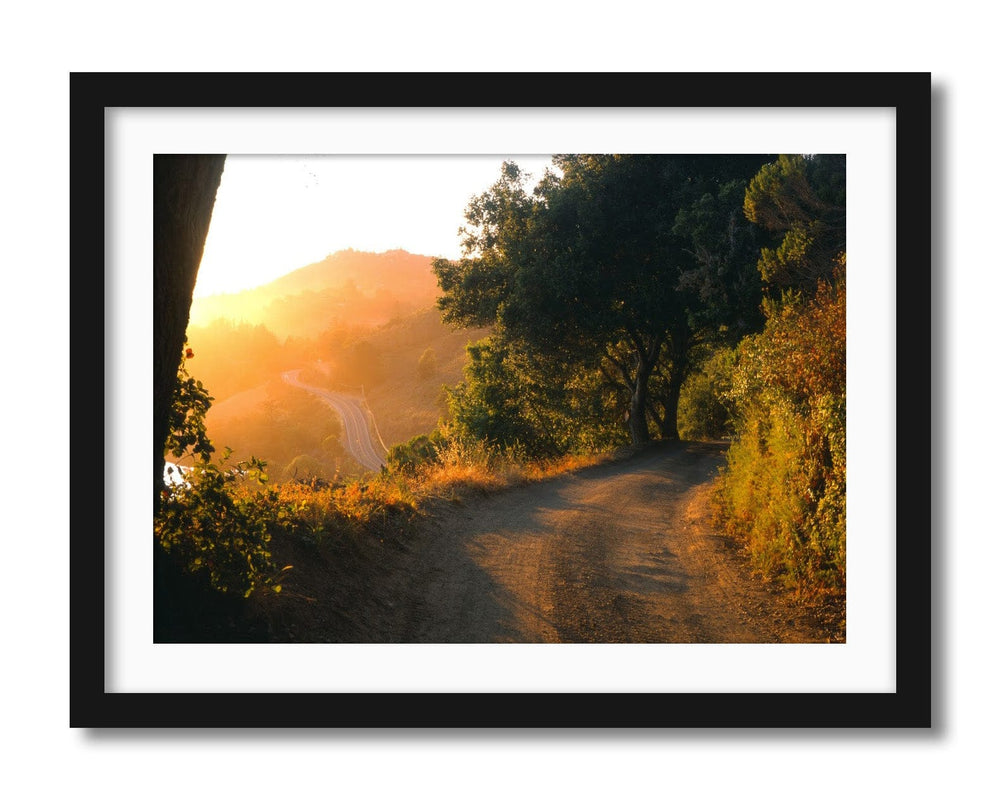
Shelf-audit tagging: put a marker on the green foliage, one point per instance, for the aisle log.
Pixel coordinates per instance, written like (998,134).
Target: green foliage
(723,274)
(492,403)
(704,411)
(801,200)
(511,398)
(784,487)
(220,529)
(212,524)
(187,433)
(423,449)
(607,276)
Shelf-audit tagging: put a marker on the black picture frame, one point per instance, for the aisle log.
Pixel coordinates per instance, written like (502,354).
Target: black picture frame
(909,706)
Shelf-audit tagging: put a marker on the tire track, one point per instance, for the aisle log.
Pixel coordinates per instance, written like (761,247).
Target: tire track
(623,552)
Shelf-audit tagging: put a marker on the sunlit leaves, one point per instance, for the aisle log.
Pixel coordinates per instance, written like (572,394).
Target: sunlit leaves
(801,199)
(214,523)
(187,433)
(784,489)
(220,526)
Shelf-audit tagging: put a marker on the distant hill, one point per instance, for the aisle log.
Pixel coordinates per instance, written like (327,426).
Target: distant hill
(355,320)
(349,288)
(405,365)
(419,354)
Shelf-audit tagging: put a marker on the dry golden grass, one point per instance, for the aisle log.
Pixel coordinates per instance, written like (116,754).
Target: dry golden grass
(465,469)
(376,503)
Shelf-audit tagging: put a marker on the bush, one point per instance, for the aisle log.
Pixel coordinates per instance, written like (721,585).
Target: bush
(536,403)
(784,486)
(419,450)
(703,411)
(218,527)
(427,364)
(214,524)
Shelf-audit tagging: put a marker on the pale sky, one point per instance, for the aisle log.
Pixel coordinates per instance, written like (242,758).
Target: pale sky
(274,214)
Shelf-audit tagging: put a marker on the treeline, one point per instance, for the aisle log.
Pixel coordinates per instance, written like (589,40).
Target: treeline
(633,297)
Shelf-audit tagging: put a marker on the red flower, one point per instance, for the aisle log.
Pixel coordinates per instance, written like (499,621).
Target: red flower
(189,353)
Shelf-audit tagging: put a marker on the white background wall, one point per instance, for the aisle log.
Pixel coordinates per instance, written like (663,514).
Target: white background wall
(43,43)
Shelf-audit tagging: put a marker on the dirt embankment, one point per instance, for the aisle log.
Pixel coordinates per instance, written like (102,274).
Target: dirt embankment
(621,552)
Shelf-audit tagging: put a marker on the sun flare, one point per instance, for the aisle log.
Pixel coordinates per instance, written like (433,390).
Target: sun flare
(276,213)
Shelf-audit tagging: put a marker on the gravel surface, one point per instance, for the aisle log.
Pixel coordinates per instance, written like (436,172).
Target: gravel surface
(620,552)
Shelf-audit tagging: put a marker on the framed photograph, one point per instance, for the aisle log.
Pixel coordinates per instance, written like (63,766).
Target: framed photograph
(379,603)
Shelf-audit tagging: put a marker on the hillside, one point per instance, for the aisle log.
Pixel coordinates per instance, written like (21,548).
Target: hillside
(359,322)
(421,355)
(348,287)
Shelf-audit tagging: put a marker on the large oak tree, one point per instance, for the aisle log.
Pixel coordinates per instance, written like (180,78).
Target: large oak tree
(620,263)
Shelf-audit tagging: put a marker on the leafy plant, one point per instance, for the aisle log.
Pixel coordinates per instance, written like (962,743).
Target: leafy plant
(407,456)
(187,415)
(427,365)
(216,526)
(217,523)
(703,411)
(784,488)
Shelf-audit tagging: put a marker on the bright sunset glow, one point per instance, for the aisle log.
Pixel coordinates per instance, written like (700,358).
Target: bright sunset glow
(275,214)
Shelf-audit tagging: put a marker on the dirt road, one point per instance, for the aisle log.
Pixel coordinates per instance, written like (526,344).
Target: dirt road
(621,552)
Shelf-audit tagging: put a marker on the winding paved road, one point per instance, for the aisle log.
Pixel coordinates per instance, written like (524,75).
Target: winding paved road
(357,435)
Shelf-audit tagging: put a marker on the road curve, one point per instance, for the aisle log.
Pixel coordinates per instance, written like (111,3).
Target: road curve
(622,552)
(357,435)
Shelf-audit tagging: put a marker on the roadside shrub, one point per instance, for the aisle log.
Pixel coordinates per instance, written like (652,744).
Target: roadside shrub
(784,486)
(186,434)
(543,405)
(219,527)
(217,523)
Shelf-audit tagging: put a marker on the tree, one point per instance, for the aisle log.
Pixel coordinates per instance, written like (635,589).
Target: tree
(427,364)
(515,398)
(803,201)
(599,268)
(784,486)
(184,189)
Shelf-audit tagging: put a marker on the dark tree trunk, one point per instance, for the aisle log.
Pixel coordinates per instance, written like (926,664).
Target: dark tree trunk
(679,345)
(671,398)
(184,188)
(637,423)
